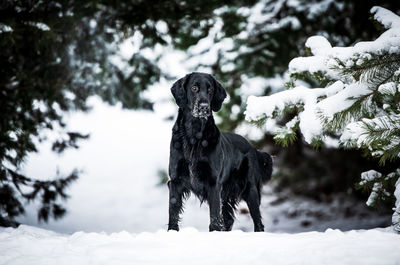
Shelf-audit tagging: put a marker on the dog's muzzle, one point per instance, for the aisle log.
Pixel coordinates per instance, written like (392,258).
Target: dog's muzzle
(201,110)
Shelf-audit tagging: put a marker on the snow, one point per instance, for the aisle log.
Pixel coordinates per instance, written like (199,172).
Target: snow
(162,27)
(318,45)
(312,64)
(38,25)
(357,132)
(396,215)
(385,17)
(321,7)
(5,28)
(119,163)
(369,175)
(389,88)
(291,21)
(331,142)
(207,51)
(310,123)
(343,99)
(250,131)
(29,245)
(374,194)
(325,56)
(265,12)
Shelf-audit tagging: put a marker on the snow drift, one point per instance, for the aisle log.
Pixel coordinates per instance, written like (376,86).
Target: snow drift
(30,245)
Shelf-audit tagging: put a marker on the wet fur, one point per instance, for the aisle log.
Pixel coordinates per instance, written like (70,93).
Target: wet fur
(220,168)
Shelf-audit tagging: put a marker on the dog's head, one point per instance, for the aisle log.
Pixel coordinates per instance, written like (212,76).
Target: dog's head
(199,93)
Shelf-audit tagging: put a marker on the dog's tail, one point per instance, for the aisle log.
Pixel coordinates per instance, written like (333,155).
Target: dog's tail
(265,161)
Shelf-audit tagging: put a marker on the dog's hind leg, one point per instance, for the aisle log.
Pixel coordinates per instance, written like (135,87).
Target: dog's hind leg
(228,214)
(253,199)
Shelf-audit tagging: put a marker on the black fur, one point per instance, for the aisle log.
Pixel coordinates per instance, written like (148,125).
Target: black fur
(218,167)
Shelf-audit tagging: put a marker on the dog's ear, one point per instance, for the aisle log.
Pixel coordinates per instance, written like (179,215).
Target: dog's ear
(219,95)
(179,91)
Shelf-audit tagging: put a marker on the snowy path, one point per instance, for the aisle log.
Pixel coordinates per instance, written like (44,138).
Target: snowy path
(30,245)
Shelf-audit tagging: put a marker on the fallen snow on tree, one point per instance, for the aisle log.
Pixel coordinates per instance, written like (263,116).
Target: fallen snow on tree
(30,245)
(321,104)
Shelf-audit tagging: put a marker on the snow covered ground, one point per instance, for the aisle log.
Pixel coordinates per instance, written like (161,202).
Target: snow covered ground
(30,245)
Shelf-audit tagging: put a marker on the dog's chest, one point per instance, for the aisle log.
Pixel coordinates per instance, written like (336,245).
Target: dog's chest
(201,176)
(200,169)
(197,141)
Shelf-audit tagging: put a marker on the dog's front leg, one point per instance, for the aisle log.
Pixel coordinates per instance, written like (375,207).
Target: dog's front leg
(214,200)
(176,193)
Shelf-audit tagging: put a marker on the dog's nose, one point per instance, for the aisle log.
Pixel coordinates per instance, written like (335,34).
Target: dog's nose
(204,107)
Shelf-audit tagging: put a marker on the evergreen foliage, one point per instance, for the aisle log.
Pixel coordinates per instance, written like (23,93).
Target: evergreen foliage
(359,103)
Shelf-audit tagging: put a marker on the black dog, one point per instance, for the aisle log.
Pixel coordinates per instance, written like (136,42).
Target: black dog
(219,167)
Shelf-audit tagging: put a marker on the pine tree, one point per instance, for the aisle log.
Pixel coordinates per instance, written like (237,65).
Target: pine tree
(358,102)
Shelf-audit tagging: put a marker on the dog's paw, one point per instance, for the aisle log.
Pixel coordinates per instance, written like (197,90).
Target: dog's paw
(173,227)
(216,225)
(259,228)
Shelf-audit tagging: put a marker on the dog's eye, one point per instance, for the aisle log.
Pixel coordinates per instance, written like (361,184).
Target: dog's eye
(195,89)
(210,90)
